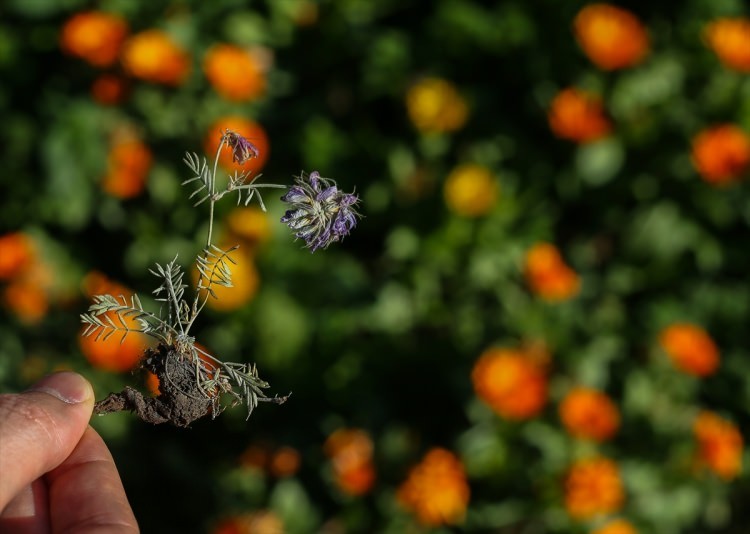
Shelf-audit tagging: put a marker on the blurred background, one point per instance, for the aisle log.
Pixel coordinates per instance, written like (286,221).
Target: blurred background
(539,325)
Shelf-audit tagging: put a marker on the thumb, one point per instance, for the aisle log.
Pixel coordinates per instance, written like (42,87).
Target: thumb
(40,428)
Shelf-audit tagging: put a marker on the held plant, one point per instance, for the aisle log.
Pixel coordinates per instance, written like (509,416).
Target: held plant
(193,382)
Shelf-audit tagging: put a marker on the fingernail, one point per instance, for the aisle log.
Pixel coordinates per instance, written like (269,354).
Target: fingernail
(67,386)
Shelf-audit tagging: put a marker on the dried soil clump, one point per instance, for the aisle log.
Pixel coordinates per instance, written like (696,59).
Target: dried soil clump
(180,400)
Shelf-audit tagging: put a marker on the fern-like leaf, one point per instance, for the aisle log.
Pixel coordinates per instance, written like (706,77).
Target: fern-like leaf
(202,175)
(108,315)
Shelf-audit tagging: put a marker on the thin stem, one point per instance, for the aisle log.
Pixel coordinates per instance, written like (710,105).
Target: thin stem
(212,192)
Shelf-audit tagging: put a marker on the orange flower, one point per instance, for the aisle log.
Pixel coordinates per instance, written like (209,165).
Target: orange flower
(235,73)
(436,490)
(111,354)
(152,383)
(261,522)
(284,462)
(720,444)
(255,456)
(434,105)
(589,414)
(153,56)
(251,225)
(578,116)
(108,89)
(617,526)
(128,164)
(245,282)
(548,275)
(511,383)
(16,253)
(252,131)
(94,36)
(611,37)
(27,300)
(730,41)
(690,348)
(593,487)
(350,451)
(721,154)
(471,190)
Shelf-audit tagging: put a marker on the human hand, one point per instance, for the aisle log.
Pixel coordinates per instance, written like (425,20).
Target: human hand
(56,473)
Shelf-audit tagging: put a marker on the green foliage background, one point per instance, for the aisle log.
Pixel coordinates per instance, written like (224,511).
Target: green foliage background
(382,331)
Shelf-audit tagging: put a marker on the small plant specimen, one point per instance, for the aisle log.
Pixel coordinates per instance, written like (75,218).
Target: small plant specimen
(193,382)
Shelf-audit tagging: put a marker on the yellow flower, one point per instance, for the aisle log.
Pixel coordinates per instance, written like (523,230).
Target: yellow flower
(245,282)
(434,105)
(471,190)
(250,224)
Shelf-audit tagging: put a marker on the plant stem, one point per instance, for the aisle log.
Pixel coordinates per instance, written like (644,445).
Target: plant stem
(212,193)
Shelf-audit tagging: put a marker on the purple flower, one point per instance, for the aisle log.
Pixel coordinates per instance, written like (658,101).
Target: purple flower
(242,149)
(320,213)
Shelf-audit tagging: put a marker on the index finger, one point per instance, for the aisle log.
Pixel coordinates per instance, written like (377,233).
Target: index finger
(86,494)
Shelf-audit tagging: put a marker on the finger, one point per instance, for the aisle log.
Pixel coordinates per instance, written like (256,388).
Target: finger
(27,512)
(40,428)
(86,494)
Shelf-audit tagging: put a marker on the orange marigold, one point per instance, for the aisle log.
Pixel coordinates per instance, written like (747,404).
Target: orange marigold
(245,283)
(617,526)
(730,41)
(113,354)
(548,275)
(94,36)
(511,383)
(350,451)
(16,253)
(721,154)
(590,414)
(436,490)
(471,190)
(593,487)
(234,72)
(128,164)
(261,522)
(611,37)
(285,462)
(578,116)
(153,56)
(720,444)
(27,300)
(690,348)
(247,128)
(434,105)
(251,224)
(108,89)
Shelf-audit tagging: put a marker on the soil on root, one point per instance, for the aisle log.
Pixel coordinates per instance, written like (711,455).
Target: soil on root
(180,400)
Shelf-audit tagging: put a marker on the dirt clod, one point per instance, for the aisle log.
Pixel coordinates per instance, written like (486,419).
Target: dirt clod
(180,400)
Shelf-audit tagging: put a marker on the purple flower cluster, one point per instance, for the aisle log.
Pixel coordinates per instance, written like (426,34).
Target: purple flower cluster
(320,213)
(242,149)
